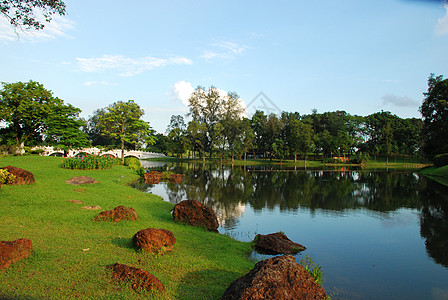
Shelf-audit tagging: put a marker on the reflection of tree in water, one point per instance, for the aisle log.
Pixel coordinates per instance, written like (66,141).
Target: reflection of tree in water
(434,221)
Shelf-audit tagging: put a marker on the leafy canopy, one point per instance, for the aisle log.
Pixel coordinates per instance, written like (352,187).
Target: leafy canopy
(27,12)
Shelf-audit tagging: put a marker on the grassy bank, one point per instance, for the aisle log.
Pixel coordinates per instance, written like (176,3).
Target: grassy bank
(71,251)
(437,174)
(371,164)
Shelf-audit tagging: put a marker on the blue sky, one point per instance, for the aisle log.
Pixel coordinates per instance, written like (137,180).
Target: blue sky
(357,56)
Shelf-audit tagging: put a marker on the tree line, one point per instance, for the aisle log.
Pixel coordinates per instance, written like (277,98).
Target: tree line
(30,115)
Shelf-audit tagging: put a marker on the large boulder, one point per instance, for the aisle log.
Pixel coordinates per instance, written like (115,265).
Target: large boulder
(276,243)
(11,252)
(195,213)
(119,213)
(81,180)
(22,176)
(136,277)
(154,240)
(278,277)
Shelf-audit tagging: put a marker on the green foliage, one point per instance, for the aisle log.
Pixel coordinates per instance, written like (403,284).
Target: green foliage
(6,177)
(122,121)
(132,162)
(90,162)
(312,268)
(441,160)
(23,12)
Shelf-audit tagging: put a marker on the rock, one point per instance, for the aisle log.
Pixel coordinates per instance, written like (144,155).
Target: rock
(81,180)
(119,213)
(11,252)
(279,277)
(195,213)
(154,240)
(153,177)
(91,207)
(22,176)
(137,277)
(276,243)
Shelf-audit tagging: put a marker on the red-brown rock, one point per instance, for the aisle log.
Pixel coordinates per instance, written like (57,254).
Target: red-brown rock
(119,213)
(22,176)
(276,243)
(154,240)
(279,277)
(137,277)
(81,180)
(195,213)
(11,252)
(153,177)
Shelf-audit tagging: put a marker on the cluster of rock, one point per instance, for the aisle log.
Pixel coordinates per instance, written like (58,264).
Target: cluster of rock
(279,277)
(155,177)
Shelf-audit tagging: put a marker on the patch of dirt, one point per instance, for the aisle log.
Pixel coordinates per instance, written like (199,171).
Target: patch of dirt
(81,180)
(75,201)
(91,207)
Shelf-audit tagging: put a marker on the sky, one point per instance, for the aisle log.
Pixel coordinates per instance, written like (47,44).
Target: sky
(358,56)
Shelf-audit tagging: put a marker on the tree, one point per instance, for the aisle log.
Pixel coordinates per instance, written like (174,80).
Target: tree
(93,130)
(122,121)
(176,135)
(26,12)
(64,129)
(434,111)
(210,108)
(247,136)
(26,108)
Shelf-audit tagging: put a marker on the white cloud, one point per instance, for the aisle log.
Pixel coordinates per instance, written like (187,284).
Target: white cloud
(224,50)
(403,101)
(128,66)
(96,83)
(58,27)
(442,23)
(181,91)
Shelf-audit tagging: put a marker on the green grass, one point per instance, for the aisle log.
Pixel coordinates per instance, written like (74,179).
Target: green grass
(438,174)
(201,266)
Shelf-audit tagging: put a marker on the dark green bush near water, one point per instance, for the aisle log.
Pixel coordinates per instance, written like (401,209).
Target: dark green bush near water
(90,162)
(441,160)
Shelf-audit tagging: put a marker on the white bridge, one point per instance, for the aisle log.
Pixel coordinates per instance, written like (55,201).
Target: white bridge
(51,151)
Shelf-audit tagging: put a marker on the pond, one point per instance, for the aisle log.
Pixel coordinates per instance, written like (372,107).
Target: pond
(376,234)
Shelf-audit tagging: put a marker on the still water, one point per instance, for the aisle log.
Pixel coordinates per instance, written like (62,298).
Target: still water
(376,234)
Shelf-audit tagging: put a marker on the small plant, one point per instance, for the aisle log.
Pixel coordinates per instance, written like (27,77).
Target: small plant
(6,177)
(132,162)
(312,268)
(90,162)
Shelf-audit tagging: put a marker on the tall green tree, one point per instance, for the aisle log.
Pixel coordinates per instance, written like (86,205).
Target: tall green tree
(434,111)
(30,112)
(64,131)
(122,121)
(176,135)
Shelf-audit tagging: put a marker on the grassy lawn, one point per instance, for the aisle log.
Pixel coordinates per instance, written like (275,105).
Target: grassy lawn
(438,174)
(201,266)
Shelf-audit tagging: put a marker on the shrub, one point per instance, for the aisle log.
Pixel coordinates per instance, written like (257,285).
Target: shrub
(441,160)
(132,162)
(90,162)
(6,177)
(331,161)
(313,269)
(359,158)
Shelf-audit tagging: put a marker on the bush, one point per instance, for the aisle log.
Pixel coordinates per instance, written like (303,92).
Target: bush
(90,162)
(441,160)
(6,177)
(331,161)
(359,158)
(132,162)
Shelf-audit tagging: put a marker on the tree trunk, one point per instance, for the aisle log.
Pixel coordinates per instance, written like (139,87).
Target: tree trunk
(122,151)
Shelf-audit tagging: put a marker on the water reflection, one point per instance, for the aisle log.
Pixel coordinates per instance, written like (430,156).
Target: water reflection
(230,189)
